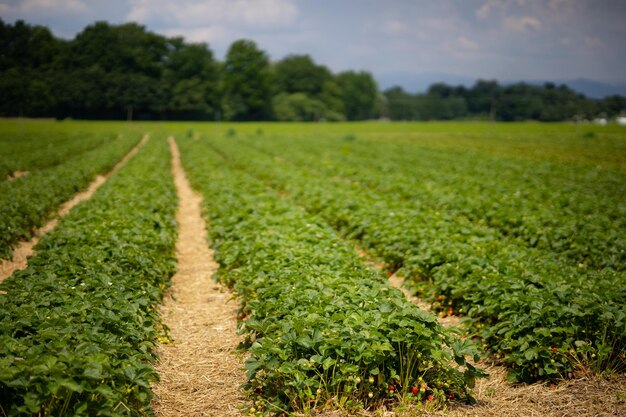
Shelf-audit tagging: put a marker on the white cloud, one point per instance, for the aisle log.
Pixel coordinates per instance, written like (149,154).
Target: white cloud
(444,36)
(521,23)
(459,49)
(254,13)
(485,10)
(28,7)
(200,34)
(518,15)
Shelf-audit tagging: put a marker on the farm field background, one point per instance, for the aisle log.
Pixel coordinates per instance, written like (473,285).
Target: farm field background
(518,229)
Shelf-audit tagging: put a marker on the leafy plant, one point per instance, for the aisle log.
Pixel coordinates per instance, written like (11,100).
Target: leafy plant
(511,292)
(26,204)
(320,326)
(78,326)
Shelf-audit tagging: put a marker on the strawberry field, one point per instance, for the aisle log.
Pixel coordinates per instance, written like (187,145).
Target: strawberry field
(54,167)
(519,230)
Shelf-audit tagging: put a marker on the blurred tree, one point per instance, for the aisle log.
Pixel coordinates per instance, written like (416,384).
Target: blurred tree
(297,107)
(613,106)
(482,97)
(359,94)
(400,104)
(126,48)
(119,67)
(117,71)
(190,83)
(318,94)
(246,83)
(444,102)
(25,46)
(332,97)
(299,74)
(27,56)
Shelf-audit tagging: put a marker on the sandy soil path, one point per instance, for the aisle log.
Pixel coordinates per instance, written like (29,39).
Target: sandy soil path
(25,248)
(200,375)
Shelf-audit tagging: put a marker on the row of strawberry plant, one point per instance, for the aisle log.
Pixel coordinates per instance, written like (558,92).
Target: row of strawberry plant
(321,328)
(26,204)
(575,211)
(511,293)
(78,327)
(31,151)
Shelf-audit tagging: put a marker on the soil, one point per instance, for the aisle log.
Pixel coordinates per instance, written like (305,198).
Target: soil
(200,374)
(16,174)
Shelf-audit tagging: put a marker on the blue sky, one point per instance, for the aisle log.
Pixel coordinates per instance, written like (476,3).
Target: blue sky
(501,39)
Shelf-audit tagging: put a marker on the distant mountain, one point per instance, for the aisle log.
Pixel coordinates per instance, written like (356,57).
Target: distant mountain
(419,83)
(595,89)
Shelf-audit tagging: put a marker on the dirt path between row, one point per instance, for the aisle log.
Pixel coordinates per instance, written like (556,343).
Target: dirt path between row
(25,248)
(200,375)
(15,175)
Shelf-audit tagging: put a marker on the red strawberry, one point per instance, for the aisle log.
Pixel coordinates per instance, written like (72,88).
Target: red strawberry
(415,390)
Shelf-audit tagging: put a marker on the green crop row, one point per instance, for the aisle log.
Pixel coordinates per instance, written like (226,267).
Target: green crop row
(27,203)
(79,325)
(321,328)
(541,315)
(574,211)
(31,151)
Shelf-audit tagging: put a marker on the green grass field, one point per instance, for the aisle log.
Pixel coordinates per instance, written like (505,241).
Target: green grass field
(586,144)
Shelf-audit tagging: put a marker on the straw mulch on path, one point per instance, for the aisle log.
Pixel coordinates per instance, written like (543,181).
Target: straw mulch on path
(200,375)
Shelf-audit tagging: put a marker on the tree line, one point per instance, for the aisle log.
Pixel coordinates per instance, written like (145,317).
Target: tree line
(126,72)
(492,101)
